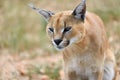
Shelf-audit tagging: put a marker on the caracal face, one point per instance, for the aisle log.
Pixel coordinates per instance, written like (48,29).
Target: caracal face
(64,30)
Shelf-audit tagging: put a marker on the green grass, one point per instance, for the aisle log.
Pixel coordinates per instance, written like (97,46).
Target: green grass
(23,29)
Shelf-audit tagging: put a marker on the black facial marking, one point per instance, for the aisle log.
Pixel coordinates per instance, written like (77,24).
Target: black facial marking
(51,29)
(83,17)
(68,42)
(67,29)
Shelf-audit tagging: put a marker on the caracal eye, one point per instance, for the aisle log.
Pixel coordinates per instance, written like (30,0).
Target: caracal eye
(51,29)
(67,29)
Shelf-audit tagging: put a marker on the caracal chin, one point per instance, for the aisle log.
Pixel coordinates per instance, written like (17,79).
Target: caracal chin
(81,37)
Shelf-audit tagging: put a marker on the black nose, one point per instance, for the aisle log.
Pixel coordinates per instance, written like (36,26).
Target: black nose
(57,41)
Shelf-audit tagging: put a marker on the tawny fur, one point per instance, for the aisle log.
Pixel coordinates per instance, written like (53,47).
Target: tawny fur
(82,38)
(89,57)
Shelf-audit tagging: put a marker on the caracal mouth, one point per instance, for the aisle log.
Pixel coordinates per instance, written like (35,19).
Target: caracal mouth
(59,48)
(62,46)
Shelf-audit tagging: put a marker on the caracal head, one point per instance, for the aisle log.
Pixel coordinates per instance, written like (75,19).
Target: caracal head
(64,28)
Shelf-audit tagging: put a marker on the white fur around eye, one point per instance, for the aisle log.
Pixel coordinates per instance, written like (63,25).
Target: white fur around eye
(62,30)
(50,33)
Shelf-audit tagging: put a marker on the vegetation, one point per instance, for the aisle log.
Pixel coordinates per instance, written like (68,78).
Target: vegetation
(22,31)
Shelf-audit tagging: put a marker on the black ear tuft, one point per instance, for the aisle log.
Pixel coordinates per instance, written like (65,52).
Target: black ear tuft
(80,10)
(46,14)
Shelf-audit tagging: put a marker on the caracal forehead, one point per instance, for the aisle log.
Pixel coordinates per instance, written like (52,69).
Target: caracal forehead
(60,19)
(61,16)
(63,13)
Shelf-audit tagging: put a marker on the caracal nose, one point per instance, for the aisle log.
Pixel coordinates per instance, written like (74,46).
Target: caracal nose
(57,41)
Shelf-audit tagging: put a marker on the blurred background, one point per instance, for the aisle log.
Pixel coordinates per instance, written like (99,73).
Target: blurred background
(25,51)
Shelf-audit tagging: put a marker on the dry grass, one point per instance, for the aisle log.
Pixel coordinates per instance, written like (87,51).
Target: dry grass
(22,31)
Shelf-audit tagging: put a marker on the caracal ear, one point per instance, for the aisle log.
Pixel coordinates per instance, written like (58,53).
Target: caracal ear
(80,10)
(46,14)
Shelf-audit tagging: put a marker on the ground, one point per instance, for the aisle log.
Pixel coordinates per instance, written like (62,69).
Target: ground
(19,67)
(23,67)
